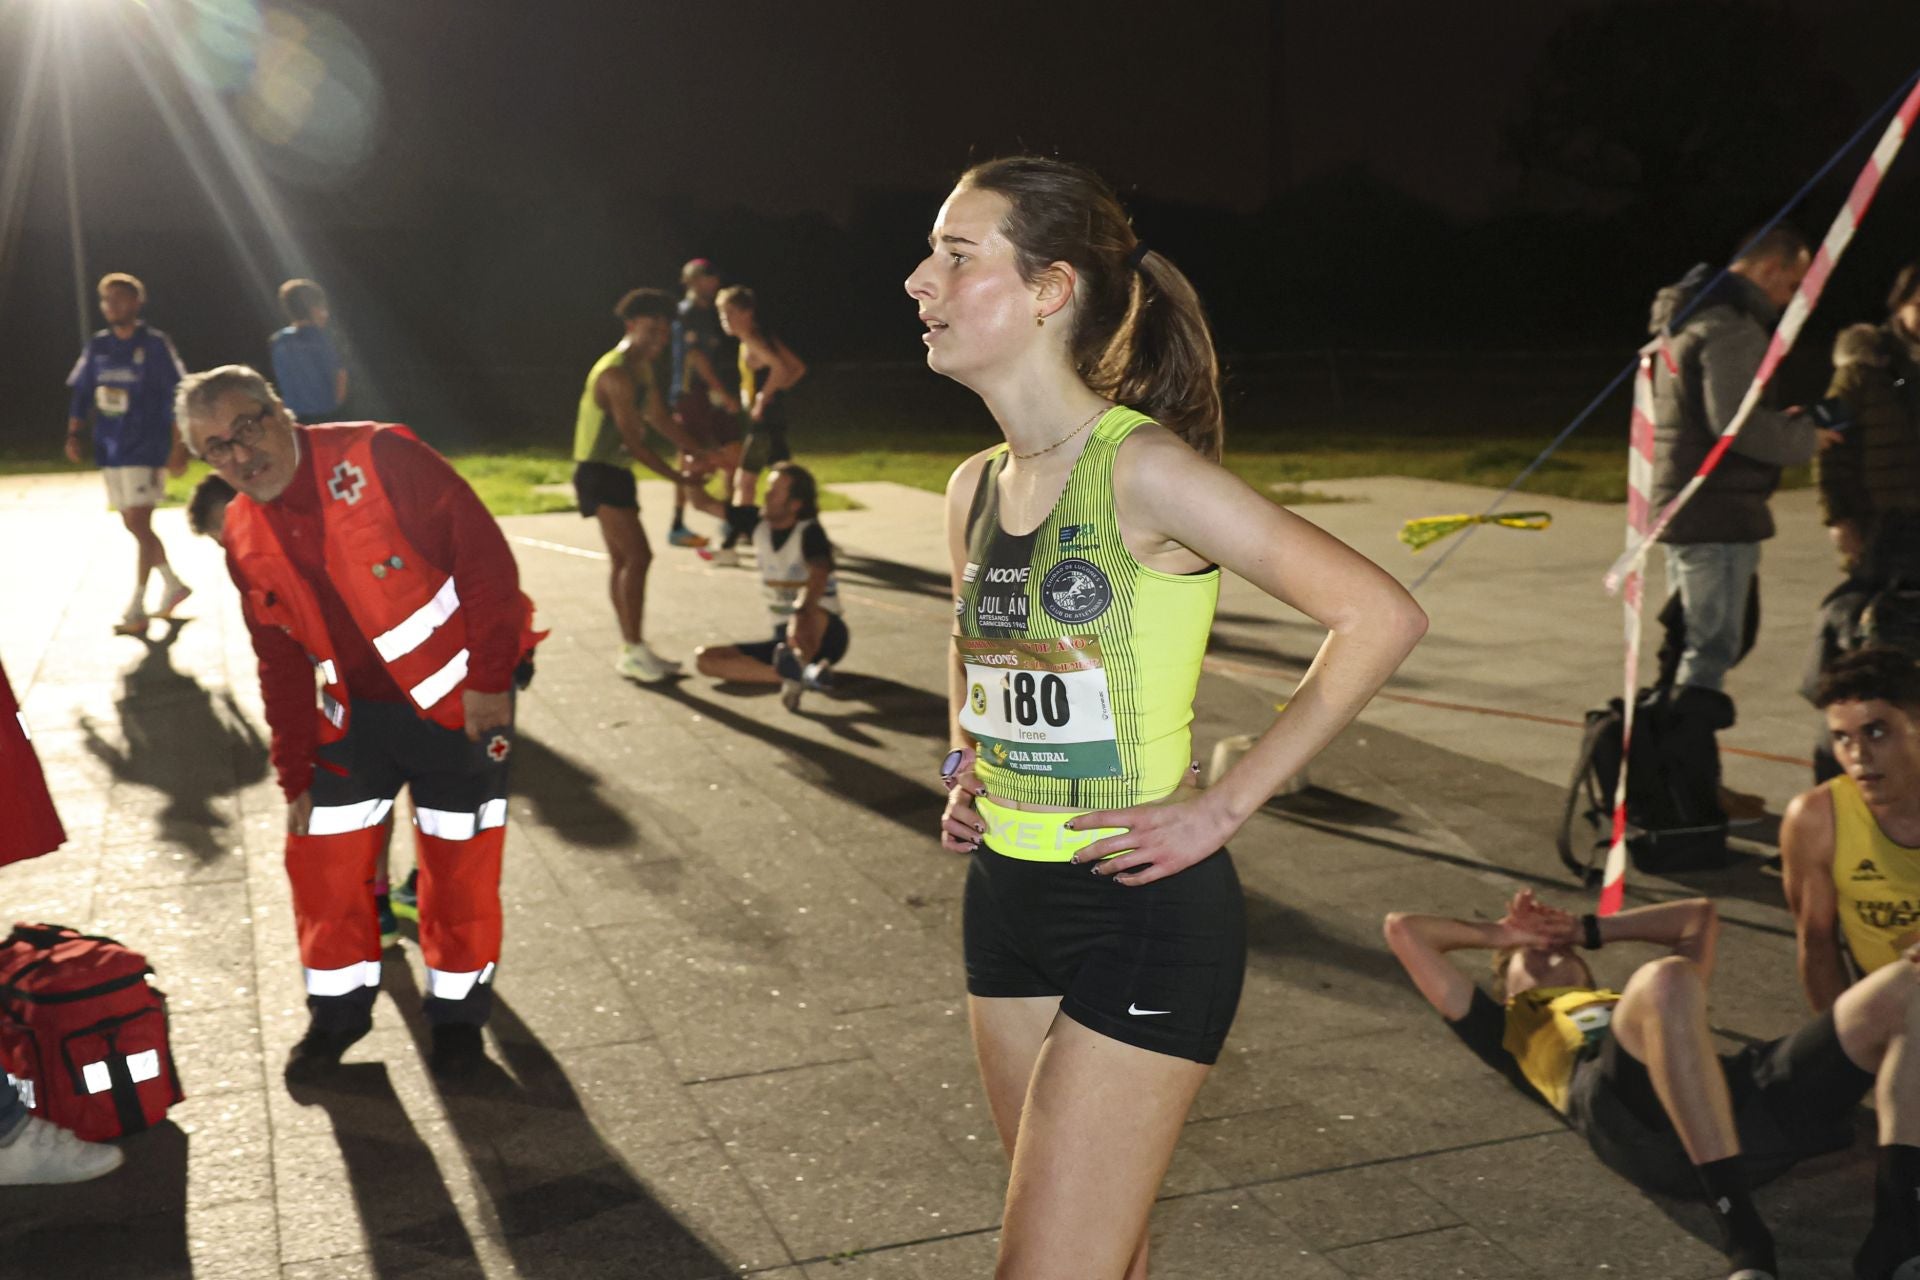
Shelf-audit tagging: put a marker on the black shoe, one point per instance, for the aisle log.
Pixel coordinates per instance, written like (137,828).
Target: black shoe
(318,1052)
(458,1051)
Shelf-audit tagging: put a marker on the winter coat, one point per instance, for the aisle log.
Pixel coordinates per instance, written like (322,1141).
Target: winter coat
(1876,466)
(1714,357)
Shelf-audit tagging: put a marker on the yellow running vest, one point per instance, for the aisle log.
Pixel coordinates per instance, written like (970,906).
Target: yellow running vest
(1548,1027)
(1081,663)
(596,437)
(1876,882)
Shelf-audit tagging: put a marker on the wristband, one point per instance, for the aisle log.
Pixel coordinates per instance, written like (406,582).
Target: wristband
(1590,926)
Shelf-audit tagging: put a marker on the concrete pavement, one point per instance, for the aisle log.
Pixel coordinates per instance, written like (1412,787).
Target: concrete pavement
(732,1030)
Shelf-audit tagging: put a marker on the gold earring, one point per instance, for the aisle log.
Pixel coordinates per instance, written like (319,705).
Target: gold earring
(1040,322)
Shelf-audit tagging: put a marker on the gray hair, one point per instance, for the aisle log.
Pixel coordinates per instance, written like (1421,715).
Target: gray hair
(197,391)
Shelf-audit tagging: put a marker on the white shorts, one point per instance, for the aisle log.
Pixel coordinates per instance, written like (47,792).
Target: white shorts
(134,486)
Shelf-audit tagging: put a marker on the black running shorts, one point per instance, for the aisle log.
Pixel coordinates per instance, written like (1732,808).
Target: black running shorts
(600,484)
(1793,1099)
(1158,965)
(833,644)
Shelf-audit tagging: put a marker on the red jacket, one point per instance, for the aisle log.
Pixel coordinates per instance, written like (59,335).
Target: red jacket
(379,565)
(31,827)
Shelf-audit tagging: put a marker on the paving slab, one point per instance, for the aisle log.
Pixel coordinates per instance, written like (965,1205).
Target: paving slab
(732,1034)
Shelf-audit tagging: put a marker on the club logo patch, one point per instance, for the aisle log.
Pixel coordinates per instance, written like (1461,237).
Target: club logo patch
(346,483)
(979,699)
(498,748)
(1075,591)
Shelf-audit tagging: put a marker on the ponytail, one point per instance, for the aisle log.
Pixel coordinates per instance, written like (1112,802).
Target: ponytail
(1140,334)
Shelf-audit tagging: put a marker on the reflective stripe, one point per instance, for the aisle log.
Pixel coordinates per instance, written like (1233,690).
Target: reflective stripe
(331,708)
(456,986)
(427,619)
(337,819)
(144,1065)
(96,1077)
(328,673)
(440,683)
(22,1087)
(340,982)
(25,732)
(449,824)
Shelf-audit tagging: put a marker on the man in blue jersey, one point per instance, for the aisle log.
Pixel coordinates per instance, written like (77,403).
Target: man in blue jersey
(307,369)
(123,392)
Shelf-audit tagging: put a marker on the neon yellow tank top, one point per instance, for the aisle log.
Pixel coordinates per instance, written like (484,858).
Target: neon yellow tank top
(749,378)
(1549,1027)
(1081,662)
(596,438)
(1876,882)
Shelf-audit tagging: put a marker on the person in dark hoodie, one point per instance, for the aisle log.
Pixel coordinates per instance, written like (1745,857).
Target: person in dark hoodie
(1712,547)
(1870,480)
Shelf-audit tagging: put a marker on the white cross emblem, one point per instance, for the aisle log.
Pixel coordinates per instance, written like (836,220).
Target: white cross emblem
(347,482)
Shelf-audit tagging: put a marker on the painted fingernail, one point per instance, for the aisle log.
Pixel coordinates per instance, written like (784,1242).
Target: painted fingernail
(980,828)
(1069,825)
(1194,766)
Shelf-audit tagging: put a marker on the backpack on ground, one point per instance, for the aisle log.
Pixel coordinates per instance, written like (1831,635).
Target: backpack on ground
(1674,818)
(82,1032)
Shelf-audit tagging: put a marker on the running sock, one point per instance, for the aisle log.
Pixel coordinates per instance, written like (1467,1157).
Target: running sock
(139,602)
(1743,1235)
(739,521)
(1895,1235)
(166,576)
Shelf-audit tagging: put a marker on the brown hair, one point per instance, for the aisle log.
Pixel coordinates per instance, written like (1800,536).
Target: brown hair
(1140,336)
(121,280)
(298,298)
(1906,287)
(634,303)
(1503,960)
(1876,672)
(1781,244)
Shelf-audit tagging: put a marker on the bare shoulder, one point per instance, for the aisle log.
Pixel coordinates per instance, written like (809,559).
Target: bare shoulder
(1806,829)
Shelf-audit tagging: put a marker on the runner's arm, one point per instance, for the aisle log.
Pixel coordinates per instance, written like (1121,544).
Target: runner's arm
(1421,943)
(667,425)
(783,370)
(697,360)
(614,392)
(961,827)
(1173,496)
(1690,927)
(1806,861)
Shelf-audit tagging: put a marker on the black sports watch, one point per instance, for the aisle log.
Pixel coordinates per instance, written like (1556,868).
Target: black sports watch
(1590,927)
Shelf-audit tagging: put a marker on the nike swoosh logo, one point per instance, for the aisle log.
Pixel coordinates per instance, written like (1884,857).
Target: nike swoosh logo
(1138,1012)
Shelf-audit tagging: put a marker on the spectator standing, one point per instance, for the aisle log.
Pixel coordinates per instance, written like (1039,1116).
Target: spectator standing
(307,368)
(1870,477)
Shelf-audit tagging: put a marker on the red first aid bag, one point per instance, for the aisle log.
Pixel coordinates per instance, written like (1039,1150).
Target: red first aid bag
(82,1032)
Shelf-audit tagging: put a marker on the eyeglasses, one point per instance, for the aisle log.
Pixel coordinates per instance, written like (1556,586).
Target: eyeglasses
(248,430)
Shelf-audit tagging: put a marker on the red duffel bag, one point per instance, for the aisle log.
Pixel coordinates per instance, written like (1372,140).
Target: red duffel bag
(82,1032)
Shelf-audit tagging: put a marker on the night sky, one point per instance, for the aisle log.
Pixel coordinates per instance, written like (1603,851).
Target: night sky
(547,155)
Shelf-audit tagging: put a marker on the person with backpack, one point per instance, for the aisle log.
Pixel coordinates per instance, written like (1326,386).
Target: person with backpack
(1850,848)
(1712,546)
(34,1150)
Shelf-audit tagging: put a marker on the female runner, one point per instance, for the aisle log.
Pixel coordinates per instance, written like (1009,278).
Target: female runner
(768,368)
(1104,928)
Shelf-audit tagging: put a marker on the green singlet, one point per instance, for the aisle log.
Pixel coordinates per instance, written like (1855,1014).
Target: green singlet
(1081,662)
(596,437)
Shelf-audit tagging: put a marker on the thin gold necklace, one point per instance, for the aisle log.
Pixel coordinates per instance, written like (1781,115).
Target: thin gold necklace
(1063,439)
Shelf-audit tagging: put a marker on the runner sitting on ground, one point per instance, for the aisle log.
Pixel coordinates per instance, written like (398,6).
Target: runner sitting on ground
(796,571)
(1850,848)
(1634,1071)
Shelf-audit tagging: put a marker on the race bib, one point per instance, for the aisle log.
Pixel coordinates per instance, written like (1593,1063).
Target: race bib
(112,402)
(1040,706)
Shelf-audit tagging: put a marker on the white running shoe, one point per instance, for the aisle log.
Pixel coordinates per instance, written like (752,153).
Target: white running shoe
(132,623)
(175,597)
(671,666)
(725,557)
(818,676)
(44,1153)
(637,663)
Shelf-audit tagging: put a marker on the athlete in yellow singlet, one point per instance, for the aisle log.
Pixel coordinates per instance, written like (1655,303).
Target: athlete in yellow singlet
(1850,849)
(1104,928)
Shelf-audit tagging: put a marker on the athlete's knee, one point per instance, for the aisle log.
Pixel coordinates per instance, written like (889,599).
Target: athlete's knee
(1670,985)
(711,659)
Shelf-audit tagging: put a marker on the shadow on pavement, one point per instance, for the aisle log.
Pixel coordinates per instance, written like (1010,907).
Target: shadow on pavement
(566,1204)
(1294,944)
(891,575)
(568,796)
(131,1224)
(831,769)
(182,743)
(406,1214)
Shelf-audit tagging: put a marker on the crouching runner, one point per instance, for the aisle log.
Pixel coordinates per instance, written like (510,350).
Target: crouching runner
(369,568)
(1635,1072)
